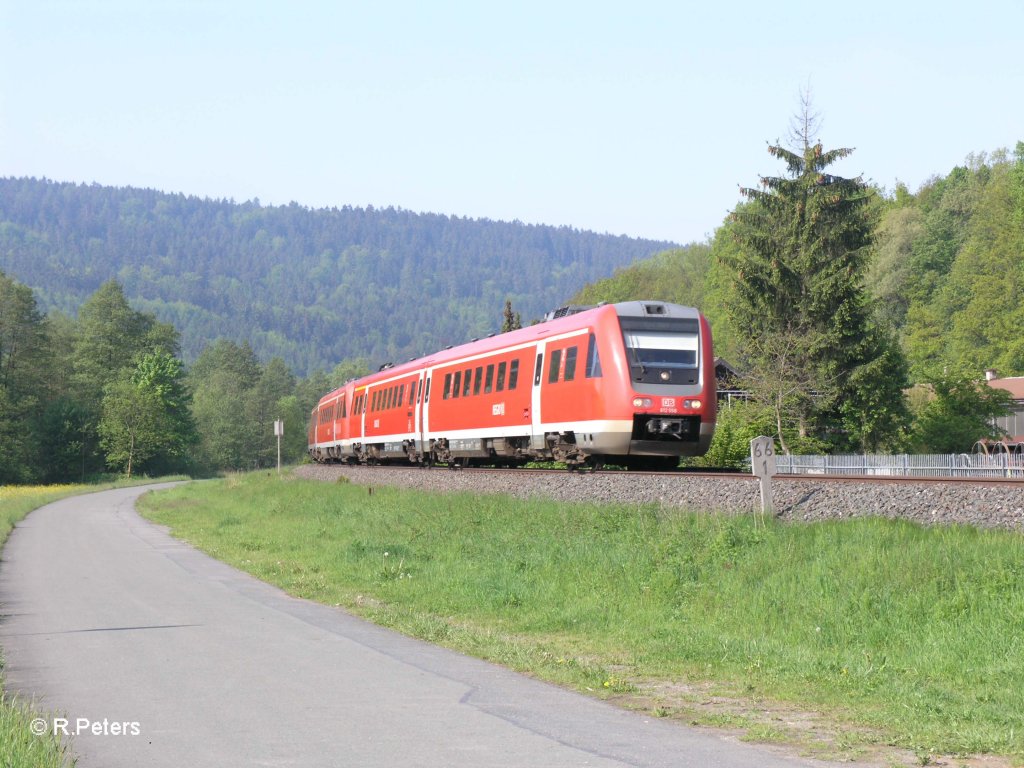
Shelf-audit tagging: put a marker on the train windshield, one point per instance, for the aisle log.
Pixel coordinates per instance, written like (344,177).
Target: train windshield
(662,350)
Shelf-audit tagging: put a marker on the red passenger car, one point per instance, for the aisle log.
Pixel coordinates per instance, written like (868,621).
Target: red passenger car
(630,383)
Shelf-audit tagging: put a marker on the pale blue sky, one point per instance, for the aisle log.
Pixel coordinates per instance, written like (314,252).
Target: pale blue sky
(639,118)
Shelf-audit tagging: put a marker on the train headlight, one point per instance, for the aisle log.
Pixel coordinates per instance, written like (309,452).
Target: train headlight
(642,402)
(691,404)
(665,375)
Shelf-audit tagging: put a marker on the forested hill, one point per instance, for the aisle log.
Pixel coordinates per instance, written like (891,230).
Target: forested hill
(311,286)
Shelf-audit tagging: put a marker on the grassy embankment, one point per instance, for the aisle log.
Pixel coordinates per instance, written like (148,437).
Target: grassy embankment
(836,636)
(18,746)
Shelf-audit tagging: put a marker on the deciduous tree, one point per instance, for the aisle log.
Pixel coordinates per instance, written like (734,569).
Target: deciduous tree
(961,413)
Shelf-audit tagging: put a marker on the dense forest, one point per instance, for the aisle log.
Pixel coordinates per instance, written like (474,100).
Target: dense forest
(312,287)
(108,391)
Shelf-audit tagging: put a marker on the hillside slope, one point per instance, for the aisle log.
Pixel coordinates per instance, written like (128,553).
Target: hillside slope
(311,286)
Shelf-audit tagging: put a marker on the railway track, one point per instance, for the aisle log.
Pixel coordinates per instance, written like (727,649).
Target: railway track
(717,474)
(981,502)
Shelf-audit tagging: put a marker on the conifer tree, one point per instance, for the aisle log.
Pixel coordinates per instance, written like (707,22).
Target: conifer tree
(512,321)
(801,310)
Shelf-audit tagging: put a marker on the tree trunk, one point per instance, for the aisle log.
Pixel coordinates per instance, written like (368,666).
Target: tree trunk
(131,451)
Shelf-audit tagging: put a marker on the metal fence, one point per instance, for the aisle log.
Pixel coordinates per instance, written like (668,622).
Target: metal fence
(905,465)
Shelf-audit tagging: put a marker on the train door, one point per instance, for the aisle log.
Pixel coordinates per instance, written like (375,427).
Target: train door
(537,441)
(359,425)
(423,412)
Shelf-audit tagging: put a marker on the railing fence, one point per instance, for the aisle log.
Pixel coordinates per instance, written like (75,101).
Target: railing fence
(905,465)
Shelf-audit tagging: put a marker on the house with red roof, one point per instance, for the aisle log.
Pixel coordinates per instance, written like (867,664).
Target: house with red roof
(1013,424)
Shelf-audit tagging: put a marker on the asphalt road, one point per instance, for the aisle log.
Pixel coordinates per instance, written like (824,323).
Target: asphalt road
(178,660)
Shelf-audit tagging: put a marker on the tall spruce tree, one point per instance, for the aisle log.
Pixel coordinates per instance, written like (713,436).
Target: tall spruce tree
(511,321)
(801,315)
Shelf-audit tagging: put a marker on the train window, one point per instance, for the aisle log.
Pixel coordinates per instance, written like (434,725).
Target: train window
(501,376)
(401,394)
(593,361)
(672,344)
(536,369)
(456,383)
(467,385)
(394,397)
(489,380)
(447,386)
(570,363)
(478,380)
(513,374)
(419,392)
(554,363)
(426,392)
(344,412)
(412,393)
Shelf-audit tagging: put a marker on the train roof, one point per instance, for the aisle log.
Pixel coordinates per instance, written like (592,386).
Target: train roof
(559,321)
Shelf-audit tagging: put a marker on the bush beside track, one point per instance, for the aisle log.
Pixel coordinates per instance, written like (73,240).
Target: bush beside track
(982,505)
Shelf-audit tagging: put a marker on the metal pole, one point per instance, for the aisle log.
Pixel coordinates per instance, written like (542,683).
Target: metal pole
(279,431)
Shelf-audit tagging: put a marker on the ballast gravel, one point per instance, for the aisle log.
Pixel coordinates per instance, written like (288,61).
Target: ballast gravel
(982,505)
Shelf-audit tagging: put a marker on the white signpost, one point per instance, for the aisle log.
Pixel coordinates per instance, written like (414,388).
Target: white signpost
(279,432)
(762,463)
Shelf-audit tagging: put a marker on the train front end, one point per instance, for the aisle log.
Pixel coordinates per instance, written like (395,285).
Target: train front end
(671,373)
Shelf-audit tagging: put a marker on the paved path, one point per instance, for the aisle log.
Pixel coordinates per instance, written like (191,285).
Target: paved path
(108,618)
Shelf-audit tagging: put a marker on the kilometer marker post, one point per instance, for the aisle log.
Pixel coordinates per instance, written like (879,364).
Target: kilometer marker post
(762,463)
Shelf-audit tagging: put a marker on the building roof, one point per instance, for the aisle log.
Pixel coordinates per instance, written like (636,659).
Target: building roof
(1012,384)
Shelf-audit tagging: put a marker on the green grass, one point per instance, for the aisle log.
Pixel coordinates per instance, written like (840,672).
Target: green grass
(912,635)
(18,746)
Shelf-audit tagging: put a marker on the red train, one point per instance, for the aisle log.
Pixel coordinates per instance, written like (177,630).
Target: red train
(630,383)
